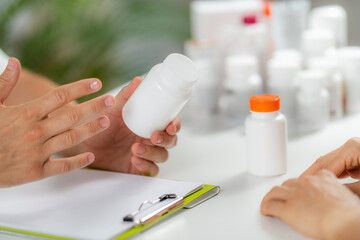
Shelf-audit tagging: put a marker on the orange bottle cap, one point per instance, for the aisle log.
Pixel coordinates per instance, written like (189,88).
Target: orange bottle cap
(265,103)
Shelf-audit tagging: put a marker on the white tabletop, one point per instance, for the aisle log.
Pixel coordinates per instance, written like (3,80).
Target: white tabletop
(219,159)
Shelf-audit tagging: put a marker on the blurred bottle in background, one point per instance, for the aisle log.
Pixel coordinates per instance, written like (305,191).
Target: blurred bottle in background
(334,84)
(284,37)
(349,60)
(315,42)
(333,18)
(282,72)
(208,18)
(241,82)
(248,38)
(202,108)
(289,54)
(235,28)
(312,101)
(288,22)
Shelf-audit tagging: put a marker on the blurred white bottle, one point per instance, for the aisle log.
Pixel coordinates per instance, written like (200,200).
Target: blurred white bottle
(315,42)
(282,73)
(289,54)
(161,95)
(206,56)
(332,17)
(200,112)
(288,22)
(255,41)
(349,61)
(334,84)
(312,101)
(241,82)
(266,136)
(248,38)
(207,18)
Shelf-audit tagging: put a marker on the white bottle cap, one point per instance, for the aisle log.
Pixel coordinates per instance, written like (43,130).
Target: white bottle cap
(240,66)
(282,71)
(332,17)
(311,79)
(314,42)
(288,54)
(330,66)
(179,71)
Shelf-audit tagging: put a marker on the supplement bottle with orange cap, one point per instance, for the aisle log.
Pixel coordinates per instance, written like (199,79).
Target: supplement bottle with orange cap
(266,136)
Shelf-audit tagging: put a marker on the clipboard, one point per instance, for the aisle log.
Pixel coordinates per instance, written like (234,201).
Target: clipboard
(83,178)
(191,201)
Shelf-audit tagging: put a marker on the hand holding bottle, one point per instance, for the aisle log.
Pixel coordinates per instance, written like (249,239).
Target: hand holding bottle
(119,149)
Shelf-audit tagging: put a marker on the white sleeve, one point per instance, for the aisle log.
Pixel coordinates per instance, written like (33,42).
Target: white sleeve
(3,61)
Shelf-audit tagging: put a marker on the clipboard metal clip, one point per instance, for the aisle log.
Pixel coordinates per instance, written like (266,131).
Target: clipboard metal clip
(178,200)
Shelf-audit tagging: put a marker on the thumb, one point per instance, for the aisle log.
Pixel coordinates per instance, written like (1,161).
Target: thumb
(9,78)
(126,92)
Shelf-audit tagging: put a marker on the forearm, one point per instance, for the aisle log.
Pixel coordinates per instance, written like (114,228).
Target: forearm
(29,87)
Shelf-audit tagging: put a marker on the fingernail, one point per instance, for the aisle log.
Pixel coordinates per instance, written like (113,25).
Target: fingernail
(90,158)
(104,122)
(138,161)
(109,102)
(11,65)
(95,85)
(141,149)
(160,139)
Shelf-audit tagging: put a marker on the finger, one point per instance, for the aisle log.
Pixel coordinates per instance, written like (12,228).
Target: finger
(343,158)
(63,95)
(9,78)
(75,136)
(162,139)
(58,166)
(146,167)
(316,166)
(273,208)
(126,92)
(277,193)
(325,162)
(76,115)
(174,126)
(150,153)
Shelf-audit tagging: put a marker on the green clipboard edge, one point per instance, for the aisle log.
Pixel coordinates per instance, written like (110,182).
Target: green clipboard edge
(125,235)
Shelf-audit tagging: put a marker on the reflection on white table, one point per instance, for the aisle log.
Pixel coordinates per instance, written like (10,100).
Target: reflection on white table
(219,159)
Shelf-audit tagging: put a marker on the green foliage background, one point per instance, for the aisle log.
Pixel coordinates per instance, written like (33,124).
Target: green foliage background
(113,40)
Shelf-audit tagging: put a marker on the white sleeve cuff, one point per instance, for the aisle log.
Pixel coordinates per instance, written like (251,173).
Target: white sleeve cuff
(3,61)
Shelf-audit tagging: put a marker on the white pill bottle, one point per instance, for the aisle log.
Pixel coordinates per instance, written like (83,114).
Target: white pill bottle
(161,95)
(266,137)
